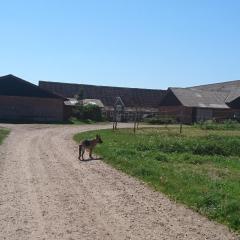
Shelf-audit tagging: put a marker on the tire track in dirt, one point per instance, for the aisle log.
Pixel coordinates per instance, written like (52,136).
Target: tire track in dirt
(77,181)
(21,218)
(81,211)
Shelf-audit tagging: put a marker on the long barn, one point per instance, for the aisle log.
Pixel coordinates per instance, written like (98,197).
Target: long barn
(214,101)
(23,101)
(218,101)
(144,101)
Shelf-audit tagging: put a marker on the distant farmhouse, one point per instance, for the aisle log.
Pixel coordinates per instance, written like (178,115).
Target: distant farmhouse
(53,101)
(24,101)
(144,101)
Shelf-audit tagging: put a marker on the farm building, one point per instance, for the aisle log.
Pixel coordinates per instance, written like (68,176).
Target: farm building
(24,101)
(218,101)
(53,101)
(143,101)
(215,101)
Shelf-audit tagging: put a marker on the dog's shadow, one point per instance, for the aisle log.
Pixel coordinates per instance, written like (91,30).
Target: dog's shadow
(90,159)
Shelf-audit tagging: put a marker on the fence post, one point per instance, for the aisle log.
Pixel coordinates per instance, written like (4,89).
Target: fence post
(181,120)
(180,127)
(115,120)
(135,121)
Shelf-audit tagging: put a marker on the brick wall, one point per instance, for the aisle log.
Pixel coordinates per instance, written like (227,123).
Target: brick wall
(222,114)
(180,113)
(31,109)
(186,113)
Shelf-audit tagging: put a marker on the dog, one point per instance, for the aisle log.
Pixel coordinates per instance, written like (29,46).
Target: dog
(89,145)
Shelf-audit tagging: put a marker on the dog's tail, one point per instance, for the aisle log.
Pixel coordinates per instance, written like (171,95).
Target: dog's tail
(80,151)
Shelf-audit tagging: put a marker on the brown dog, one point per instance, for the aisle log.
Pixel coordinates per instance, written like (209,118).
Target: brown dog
(89,145)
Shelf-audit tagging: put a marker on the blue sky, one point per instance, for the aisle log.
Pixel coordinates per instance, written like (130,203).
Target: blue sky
(132,43)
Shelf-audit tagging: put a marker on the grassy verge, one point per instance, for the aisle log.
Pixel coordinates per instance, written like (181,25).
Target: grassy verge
(3,133)
(226,125)
(199,168)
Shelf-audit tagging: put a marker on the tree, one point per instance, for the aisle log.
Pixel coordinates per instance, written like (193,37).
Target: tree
(79,96)
(92,112)
(118,110)
(78,108)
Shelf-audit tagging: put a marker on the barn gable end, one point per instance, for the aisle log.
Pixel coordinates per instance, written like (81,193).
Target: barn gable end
(23,101)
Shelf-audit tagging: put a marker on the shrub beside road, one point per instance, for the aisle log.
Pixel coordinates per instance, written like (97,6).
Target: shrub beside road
(3,133)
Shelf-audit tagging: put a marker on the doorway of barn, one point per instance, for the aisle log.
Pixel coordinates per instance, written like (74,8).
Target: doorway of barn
(203,114)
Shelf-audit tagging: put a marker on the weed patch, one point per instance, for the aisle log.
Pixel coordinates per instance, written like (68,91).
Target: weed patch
(3,133)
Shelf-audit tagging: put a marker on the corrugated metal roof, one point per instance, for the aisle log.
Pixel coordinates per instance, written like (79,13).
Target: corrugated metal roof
(191,97)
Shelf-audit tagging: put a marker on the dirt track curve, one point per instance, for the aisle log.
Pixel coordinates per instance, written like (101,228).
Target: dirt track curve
(46,193)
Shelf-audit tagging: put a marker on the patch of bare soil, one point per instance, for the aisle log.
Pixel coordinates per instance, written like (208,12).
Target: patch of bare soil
(47,193)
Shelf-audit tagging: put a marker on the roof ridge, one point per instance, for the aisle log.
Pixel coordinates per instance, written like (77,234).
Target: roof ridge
(217,83)
(92,85)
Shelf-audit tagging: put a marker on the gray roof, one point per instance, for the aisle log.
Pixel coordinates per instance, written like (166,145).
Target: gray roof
(232,88)
(234,94)
(192,97)
(222,86)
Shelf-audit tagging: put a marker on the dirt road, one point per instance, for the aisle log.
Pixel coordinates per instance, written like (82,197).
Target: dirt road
(46,193)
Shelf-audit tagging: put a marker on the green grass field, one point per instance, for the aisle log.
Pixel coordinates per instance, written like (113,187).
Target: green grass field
(3,133)
(200,168)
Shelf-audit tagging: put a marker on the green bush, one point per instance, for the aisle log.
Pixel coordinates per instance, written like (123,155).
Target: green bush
(88,112)
(200,145)
(160,120)
(3,133)
(77,112)
(92,112)
(213,125)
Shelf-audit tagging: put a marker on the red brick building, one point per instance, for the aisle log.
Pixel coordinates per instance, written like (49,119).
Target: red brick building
(26,102)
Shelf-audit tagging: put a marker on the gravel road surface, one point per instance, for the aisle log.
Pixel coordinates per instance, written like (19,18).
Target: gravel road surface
(47,193)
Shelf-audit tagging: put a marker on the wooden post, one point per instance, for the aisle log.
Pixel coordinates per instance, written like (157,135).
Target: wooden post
(135,122)
(115,120)
(138,119)
(181,121)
